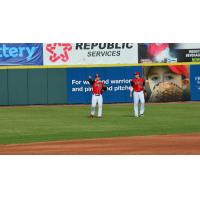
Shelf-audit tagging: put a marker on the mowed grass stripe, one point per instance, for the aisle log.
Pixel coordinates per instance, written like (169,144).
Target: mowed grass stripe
(46,123)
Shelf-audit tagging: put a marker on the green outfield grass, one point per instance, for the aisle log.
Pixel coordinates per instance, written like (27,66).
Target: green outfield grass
(48,123)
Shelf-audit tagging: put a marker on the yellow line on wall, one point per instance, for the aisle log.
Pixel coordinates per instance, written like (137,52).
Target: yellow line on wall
(96,65)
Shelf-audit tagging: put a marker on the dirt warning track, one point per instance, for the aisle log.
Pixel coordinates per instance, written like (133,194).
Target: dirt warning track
(137,145)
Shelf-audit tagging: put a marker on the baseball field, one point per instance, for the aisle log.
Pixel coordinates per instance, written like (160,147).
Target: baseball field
(67,129)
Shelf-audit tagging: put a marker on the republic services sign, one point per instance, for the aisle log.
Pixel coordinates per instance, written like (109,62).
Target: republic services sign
(90,53)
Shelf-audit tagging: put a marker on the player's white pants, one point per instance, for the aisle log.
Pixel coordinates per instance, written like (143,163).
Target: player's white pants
(95,100)
(139,96)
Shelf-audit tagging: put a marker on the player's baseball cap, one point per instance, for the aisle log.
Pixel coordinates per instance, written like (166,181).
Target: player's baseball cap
(97,75)
(136,73)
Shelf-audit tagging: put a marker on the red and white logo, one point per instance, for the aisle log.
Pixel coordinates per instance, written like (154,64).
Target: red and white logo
(59,51)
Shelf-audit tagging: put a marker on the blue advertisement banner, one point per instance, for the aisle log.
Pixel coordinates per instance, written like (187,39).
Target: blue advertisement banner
(116,78)
(195,82)
(21,54)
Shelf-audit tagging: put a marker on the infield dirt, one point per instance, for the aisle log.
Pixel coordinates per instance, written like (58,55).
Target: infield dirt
(136,145)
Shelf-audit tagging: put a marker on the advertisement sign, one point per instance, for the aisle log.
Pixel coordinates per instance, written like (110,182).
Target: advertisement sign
(117,79)
(188,52)
(168,52)
(167,83)
(90,53)
(21,54)
(195,82)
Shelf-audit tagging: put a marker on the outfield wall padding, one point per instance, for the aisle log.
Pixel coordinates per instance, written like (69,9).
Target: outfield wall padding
(37,86)
(54,85)
(3,87)
(18,87)
(32,86)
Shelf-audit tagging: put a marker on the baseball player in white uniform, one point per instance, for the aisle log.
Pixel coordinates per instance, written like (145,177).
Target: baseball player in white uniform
(97,90)
(137,87)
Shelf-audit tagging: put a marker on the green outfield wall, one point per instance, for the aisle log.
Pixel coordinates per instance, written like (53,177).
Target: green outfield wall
(67,85)
(32,86)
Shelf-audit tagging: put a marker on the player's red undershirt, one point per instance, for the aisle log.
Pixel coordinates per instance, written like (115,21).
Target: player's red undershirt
(138,84)
(97,87)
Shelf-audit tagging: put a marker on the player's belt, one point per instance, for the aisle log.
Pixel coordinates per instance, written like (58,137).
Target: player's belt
(139,91)
(97,94)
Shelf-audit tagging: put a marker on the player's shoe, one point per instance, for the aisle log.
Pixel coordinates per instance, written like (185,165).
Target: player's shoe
(141,115)
(136,116)
(91,116)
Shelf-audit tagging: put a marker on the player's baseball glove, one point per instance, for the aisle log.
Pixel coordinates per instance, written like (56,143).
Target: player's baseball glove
(145,94)
(166,92)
